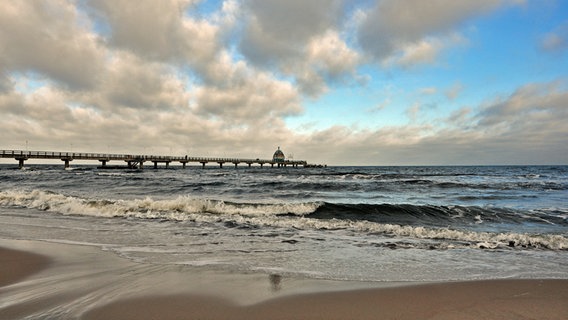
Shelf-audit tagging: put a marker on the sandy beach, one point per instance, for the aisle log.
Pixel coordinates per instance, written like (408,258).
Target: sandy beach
(74,282)
(16,265)
(510,299)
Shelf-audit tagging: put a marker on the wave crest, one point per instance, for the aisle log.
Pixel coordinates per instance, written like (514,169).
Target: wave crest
(303,216)
(179,208)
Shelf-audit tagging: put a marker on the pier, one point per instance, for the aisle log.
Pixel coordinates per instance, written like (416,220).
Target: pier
(138,161)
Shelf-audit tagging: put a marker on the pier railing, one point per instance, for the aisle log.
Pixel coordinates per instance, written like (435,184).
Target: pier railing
(137,160)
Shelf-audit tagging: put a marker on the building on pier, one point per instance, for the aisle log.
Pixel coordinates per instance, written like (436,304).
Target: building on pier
(278,156)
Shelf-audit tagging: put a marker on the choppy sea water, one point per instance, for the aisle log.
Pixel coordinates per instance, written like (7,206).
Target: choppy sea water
(338,223)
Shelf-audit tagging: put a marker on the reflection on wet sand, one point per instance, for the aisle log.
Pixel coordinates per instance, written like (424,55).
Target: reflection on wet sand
(275,282)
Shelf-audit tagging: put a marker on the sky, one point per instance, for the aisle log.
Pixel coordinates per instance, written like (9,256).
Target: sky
(337,82)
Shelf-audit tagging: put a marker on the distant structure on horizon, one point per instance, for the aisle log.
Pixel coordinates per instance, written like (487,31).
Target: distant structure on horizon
(278,156)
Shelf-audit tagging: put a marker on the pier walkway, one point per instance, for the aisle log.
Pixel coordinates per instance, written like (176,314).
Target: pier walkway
(137,161)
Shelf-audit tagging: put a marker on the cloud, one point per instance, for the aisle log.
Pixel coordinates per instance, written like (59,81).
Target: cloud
(54,29)
(425,51)
(299,39)
(530,105)
(132,83)
(157,77)
(518,129)
(454,91)
(428,90)
(257,97)
(277,30)
(556,40)
(413,31)
(460,118)
(6,85)
(327,60)
(162,32)
(150,29)
(413,111)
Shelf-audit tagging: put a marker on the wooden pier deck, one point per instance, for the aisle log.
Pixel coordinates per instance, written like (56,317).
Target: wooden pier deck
(137,161)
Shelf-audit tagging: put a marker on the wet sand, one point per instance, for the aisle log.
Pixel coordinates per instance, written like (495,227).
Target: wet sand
(16,265)
(87,283)
(501,299)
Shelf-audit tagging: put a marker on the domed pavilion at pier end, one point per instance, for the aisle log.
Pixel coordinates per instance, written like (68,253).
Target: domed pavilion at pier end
(278,156)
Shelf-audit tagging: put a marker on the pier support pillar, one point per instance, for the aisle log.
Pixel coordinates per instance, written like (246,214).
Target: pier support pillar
(250,165)
(66,162)
(155,164)
(103,162)
(21,162)
(262,165)
(141,166)
(167,164)
(220,165)
(183,164)
(235,165)
(203,164)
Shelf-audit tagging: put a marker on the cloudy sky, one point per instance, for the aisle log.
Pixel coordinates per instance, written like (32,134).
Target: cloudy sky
(363,82)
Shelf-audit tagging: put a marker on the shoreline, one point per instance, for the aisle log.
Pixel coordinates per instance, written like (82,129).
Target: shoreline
(74,281)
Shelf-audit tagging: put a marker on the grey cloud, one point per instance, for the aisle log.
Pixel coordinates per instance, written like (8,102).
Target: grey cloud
(149,28)
(160,31)
(12,104)
(391,25)
(38,115)
(6,84)
(45,37)
(132,83)
(531,102)
(460,117)
(299,39)
(278,29)
(253,100)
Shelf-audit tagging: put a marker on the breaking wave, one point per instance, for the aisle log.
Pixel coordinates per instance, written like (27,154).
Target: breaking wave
(397,220)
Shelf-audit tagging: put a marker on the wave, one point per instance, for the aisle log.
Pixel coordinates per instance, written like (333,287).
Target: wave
(436,215)
(396,220)
(370,183)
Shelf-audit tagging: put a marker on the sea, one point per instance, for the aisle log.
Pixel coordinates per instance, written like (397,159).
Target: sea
(388,223)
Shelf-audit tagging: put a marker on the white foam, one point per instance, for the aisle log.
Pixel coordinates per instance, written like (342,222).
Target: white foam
(176,209)
(203,210)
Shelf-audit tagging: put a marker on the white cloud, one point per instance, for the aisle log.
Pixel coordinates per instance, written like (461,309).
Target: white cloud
(425,51)
(331,55)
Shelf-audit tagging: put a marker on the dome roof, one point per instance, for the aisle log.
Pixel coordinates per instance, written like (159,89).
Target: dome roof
(278,155)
